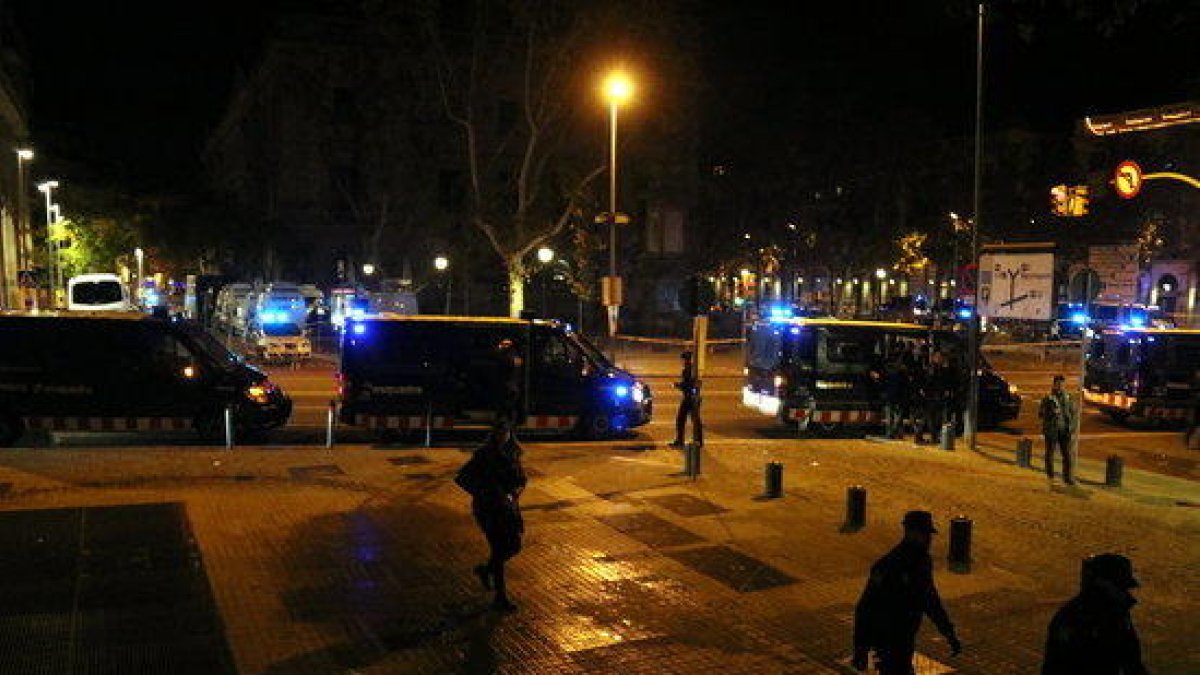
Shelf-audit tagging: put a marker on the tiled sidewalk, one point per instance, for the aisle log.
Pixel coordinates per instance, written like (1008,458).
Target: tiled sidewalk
(358,560)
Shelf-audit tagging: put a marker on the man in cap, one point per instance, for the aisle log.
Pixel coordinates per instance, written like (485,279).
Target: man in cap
(899,592)
(1093,633)
(689,386)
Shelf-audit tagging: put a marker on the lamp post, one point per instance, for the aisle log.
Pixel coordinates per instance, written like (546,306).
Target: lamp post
(140,256)
(618,89)
(881,275)
(971,422)
(545,256)
(21,226)
(442,264)
(46,188)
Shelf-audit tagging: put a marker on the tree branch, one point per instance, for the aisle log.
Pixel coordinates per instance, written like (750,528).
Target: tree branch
(565,216)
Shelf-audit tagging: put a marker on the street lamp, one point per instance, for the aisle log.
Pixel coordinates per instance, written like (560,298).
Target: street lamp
(441,263)
(545,255)
(140,256)
(46,188)
(880,274)
(618,89)
(368,269)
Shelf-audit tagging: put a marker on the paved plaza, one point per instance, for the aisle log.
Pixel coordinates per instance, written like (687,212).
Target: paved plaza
(357,559)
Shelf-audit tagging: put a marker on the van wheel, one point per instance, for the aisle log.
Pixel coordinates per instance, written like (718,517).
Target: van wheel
(596,427)
(11,429)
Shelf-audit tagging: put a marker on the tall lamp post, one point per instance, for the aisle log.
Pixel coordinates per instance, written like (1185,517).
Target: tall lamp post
(442,264)
(618,89)
(24,249)
(46,188)
(140,256)
(545,256)
(971,424)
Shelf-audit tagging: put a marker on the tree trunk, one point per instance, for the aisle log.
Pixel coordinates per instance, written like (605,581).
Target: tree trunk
(516,286)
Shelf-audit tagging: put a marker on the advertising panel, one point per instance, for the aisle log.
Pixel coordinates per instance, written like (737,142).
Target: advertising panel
(1016,285)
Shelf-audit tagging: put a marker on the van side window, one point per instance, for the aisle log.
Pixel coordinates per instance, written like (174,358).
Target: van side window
(163,352)
(1123,354)
(552,352)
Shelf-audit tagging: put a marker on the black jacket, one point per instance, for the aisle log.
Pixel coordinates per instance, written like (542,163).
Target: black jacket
(1093,633)
(899,591)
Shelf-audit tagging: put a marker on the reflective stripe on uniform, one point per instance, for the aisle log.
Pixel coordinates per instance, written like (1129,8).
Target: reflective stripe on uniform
(109,423)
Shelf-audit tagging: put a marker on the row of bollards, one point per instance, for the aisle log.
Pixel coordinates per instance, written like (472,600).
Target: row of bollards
(1114,465)
(330,422)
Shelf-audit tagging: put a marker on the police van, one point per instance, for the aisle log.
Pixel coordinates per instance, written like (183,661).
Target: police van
(121,371)
(1144,374)
(819,374)
(407,373)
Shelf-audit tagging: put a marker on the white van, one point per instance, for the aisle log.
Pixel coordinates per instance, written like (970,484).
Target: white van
(98,292)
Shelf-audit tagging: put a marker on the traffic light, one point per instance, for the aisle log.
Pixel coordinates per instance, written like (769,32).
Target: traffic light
(696,295)
(1069,201)
(1060,198)
(1078,204)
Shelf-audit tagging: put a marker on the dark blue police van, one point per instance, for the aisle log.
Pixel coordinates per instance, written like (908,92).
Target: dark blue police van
(407,373)
(125,371)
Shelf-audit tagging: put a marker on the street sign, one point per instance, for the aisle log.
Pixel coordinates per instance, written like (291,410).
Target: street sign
(1016,285)
(611,291)
(1127,179)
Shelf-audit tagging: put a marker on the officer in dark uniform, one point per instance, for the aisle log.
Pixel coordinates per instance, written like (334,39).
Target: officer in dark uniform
(689,386)
(1093,633)
(508,383)
(899,591)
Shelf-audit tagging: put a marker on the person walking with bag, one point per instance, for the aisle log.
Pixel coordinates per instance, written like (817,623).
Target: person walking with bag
(495,479)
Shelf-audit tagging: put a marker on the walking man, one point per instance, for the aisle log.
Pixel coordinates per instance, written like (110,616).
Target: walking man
(1093,633)
(899,592)
(689,386)
(1057,413)
(936,390)
(495,479)
(896,385)
(508,383)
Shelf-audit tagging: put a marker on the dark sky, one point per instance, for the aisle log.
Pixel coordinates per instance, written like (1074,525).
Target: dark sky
(126,89)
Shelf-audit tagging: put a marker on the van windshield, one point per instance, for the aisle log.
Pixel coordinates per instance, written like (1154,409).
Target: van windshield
(210,346)
(590,350)
(96,293)
(282,330)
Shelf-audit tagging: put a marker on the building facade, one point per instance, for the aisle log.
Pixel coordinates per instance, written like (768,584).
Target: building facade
(15,241)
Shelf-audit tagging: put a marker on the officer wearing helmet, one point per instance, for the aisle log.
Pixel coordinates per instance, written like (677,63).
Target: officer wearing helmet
(1093,633)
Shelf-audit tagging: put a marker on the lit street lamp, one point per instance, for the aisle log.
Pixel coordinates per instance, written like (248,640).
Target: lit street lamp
(545,255)
(46,188)
(618,89)
(442,264)
(368,269)
(23,238)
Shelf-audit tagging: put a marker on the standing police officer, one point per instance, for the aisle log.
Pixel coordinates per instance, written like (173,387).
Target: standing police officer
(899,591)
(689,386)
(1057,412)
(1093,633)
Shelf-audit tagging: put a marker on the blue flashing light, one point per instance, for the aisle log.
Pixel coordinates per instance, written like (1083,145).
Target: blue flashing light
(778,313)
(964,313)
(795,330)
(621,391)
(1080,318)
(1137,320)
(357,313)
(359,329)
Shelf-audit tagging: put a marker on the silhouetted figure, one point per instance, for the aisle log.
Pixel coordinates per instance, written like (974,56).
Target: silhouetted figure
(937,391)
(689,386)
(495,479)
(899,591)
(1057,413)
(508,383)
(896,395)
(1093,633)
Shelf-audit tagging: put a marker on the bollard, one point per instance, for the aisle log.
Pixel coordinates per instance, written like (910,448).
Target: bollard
(948,437)
(1114,468)
(1024,453)
(773,479)
(856,508)
(228,427)
(691,460)
(429,425)
(960,544)
(329,421)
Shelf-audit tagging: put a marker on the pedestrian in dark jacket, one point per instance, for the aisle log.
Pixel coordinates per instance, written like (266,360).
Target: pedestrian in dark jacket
(1057,412)
(937,390)
(896,386)
(899,592)
(495,478)
(508,383)
(1093,633)
(689,407)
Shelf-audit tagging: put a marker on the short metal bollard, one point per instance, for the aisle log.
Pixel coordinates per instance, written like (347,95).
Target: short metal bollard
(947,436)
(691,460)
(960,544)
(856,508)
(1114,470)
(773,479)
(228,427)
(1024,453)
(330,418)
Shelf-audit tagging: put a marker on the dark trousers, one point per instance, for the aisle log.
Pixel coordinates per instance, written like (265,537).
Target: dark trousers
(1061,440)
(893,419)
(933,417)
(895,660)
(689,407)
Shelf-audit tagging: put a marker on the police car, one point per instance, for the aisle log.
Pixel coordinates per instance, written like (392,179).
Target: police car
(407,373)
(125,371)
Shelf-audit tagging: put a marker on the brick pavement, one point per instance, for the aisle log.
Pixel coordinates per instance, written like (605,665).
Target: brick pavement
(358,560)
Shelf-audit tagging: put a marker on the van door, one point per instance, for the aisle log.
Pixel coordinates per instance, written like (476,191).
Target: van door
(168,378)
(557,383)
